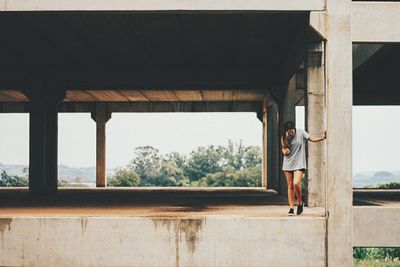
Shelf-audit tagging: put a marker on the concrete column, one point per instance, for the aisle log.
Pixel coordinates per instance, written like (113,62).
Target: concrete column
(43,137)
(273,150)
(267,180)
(265,160)
(315,110)
(288,111)
(101,116)
(339,126)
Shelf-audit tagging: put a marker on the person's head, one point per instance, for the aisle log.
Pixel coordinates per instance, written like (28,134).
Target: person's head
(289,128)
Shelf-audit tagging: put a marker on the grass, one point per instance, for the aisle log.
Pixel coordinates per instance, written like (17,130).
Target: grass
(372,263)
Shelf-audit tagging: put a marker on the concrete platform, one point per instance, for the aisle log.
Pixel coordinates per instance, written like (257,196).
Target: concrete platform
(148,202)
(157,227)
(376,197)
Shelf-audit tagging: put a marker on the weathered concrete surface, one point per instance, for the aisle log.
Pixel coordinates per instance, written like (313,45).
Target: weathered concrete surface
(339,136)
(273,140)
(156,241)
(315,119)
(126,5)
(375,22)
(156,202)
(376,226)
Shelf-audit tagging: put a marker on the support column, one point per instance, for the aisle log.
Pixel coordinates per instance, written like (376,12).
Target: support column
(264,149)
(339,127)
(264,146)
(43,136)
(101,116)
(288,111)
(263,117)
(315,111)
(273,169)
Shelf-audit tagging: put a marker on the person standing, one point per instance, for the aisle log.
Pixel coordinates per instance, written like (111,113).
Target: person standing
(294,161)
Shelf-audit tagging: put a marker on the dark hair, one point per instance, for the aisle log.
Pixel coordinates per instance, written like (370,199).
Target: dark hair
(289,125)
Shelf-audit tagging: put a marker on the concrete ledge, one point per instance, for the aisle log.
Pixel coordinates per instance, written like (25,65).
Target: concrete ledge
(158,241)
(376,226)
(375,22)
(153,5)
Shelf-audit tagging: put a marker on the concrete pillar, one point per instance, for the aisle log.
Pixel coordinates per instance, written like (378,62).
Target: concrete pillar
(101,116)
(265,159)
(288,111)
(339,126)
(43,136)
(315,111)
(273,169)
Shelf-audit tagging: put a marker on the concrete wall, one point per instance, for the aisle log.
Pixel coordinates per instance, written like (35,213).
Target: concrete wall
(135,241)
(364,22)
(376,226)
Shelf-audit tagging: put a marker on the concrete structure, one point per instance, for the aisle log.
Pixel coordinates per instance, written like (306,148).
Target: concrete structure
(259,56)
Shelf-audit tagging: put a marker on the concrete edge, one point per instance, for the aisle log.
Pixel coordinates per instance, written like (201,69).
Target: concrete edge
(157,5)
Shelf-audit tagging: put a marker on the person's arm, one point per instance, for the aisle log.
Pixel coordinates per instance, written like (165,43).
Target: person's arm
(317,138)
(285,151)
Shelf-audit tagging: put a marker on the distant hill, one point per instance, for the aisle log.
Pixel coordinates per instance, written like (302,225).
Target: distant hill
(86,175)
(371,179)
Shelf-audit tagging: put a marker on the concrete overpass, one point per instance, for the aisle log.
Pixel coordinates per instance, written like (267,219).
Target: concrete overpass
(198,56)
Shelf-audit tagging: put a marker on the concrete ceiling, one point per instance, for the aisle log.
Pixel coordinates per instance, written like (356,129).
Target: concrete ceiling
(145,95)
(375,81)
(145,50)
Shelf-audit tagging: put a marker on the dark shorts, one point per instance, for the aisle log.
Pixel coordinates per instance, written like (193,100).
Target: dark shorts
(303,170)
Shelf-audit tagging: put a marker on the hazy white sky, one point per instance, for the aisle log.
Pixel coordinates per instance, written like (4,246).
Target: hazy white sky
(374,147)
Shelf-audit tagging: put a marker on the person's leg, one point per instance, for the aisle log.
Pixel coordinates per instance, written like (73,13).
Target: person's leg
(297,184)
(289,181)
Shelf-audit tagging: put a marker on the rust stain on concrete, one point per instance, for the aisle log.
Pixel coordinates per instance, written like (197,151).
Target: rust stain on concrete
(84,222)
(185,227)
(5,223)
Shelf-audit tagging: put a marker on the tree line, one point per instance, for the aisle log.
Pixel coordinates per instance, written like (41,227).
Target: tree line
(231,165)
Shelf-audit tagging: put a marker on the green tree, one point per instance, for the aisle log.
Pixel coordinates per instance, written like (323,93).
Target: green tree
(147,164)
(203,161)
(13,180)
(125,177)
(250,177)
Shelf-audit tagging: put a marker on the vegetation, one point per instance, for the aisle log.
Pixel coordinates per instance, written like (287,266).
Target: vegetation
(233,165)
(392,185)
(13,180)
(376,257)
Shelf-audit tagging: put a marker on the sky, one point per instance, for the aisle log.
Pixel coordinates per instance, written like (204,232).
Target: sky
(375,135)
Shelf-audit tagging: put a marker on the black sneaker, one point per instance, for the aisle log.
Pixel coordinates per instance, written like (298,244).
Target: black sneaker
(300,208)
(291,212)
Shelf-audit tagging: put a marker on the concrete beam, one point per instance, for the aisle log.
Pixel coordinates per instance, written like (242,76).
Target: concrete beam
(101,116)
(154,5)
(376,226)
(375,22)
(339,127)
(13,107)
(189,106)
(315,114)
(318,22)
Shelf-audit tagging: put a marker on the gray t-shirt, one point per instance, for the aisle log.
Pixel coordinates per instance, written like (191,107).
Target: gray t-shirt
(296,160)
